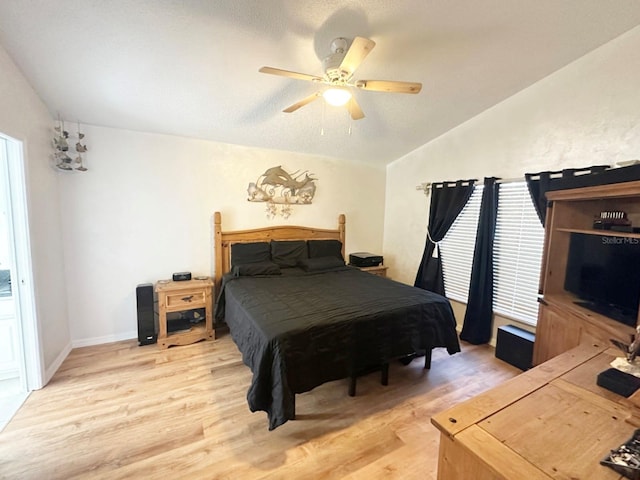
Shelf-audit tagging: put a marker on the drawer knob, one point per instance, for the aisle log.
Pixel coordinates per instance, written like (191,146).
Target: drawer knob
(187,299)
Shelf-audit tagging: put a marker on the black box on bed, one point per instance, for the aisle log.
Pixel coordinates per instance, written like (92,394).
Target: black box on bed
(364,259)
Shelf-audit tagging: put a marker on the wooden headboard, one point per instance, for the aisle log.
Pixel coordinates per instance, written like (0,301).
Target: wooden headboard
(223,240)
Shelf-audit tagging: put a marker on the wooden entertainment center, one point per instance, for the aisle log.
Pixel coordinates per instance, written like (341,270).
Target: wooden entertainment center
(554,421)
(563,324)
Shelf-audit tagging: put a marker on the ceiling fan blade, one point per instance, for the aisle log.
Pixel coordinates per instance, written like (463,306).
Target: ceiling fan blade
(287,73)
(354,109)
(389,86)
(359,49)
(302,103)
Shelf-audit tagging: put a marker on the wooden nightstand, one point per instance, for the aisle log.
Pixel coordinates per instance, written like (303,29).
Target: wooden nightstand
(181,296)
(380,270)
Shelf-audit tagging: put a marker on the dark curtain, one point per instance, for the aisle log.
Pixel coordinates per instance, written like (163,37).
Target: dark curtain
(447,201)
(476,328)
(540,183)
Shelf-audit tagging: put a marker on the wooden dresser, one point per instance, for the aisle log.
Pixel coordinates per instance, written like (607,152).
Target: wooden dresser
(551,422)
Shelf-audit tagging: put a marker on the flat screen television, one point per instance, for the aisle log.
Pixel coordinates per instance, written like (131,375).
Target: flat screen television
(604,272)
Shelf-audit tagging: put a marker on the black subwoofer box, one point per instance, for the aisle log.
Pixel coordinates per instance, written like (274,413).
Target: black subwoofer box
(515,346)
(146,314)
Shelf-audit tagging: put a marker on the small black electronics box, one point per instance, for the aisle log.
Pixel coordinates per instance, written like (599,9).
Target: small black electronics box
(365,259)
(181,276)
(619,382)
(514,345)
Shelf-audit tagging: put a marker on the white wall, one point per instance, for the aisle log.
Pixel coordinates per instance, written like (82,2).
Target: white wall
(585,114)
(144,210)
(24,117)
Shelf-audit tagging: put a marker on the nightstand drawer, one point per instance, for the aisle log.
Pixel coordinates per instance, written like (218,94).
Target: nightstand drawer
(185,299)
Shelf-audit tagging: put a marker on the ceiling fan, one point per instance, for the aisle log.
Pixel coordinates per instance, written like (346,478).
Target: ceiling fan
(339,68)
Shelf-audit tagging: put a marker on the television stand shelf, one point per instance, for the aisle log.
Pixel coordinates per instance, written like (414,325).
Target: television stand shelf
(562,323)
(617,314)
(601,233)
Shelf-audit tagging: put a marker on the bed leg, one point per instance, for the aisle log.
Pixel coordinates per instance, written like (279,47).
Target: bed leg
(352,386)
(384,376)
(294,407)
(427,358)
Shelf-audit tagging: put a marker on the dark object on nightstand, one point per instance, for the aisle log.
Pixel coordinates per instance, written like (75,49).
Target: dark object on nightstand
(365,259)
(181,276)
(146,314)
(515,346)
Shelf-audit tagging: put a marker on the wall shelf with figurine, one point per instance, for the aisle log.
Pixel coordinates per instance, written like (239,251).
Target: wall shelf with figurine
(67,155)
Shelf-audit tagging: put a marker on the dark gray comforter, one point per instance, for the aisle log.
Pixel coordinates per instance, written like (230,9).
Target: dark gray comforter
(298,331)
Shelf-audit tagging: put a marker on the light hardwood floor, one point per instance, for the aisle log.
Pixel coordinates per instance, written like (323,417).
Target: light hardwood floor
(123,411)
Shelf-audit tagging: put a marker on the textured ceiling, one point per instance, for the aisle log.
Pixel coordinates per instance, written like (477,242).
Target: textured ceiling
(190,67)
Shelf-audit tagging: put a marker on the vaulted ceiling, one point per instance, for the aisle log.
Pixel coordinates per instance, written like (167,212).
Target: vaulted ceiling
(190,67)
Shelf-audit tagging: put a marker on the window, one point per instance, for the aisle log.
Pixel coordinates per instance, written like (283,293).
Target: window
(457,249)
(517,254)
(516,258)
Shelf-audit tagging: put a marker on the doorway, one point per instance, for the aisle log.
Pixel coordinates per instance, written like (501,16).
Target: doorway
(20,369)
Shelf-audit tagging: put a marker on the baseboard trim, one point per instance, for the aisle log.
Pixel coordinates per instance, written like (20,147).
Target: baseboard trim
(53,368)
(87,342)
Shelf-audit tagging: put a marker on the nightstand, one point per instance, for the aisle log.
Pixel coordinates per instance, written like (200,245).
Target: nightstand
(380,270)
(181,296)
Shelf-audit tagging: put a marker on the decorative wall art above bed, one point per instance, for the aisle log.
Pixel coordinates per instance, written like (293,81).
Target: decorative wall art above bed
(278,187)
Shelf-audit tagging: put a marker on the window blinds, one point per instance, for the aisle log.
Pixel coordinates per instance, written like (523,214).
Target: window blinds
(517,254)
(457,249)
(516,258)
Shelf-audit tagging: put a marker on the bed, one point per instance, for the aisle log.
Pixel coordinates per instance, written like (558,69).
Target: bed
(314,319)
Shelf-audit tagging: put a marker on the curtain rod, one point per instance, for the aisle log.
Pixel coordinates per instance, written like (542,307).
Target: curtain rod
(426,186)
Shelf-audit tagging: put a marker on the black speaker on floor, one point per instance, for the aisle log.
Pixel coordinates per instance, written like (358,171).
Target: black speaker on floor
(515,346)
(146,314)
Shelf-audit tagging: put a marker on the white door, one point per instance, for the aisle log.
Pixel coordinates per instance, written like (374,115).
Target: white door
(10,356)
(20,356)
(9,343)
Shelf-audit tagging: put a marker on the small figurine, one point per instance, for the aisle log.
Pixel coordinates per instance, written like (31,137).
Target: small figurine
(632,350)
(634,347)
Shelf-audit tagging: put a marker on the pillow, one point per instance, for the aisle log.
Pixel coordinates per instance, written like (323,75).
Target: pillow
(288,253)
(321,264)
(256,268)
(256,252)
(325,248)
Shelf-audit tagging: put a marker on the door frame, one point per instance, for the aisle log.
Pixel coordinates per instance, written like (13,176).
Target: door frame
(31,357)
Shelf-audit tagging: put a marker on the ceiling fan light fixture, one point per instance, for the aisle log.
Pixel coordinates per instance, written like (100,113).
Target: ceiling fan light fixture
(336,96)
(339,67)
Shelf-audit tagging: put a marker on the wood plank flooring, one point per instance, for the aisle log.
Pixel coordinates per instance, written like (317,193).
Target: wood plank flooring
(123,411)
